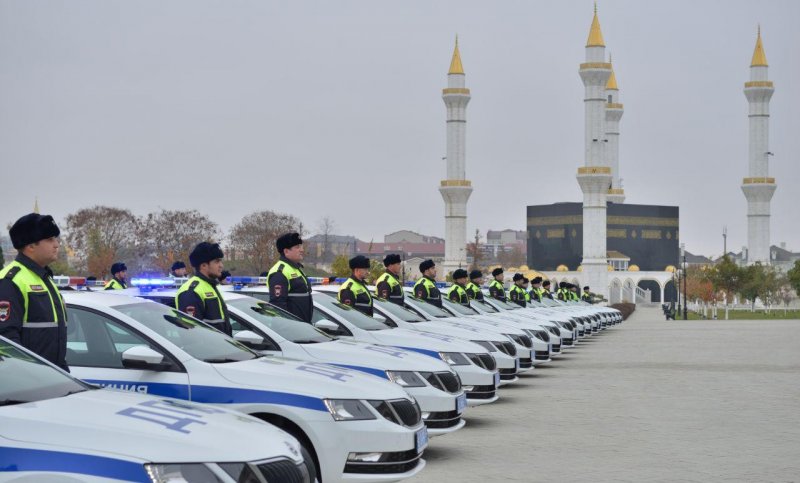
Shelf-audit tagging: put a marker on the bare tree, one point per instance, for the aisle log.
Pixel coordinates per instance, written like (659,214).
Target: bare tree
(326,228)
(253,238)
(100,235)
(474,249)
(167,236)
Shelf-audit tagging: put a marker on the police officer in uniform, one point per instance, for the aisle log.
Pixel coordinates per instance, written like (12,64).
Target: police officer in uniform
(537,292)
(525,283)
(199,296)
(388,285)
(425,288)
(516,293)
(354,291)
(573,292)
(118,272)
(178,270)
(586,296)
(288,285)
(474,286)
(32,312)
(546,290)
(561,293)
(496,289)
(458,292)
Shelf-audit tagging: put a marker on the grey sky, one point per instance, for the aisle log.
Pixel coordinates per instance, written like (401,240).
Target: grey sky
(334,107)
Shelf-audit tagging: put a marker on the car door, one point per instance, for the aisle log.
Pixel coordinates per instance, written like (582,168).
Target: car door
(95,343)
(269,346)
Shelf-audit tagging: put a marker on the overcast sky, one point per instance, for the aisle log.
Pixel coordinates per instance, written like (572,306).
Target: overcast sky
(334,108)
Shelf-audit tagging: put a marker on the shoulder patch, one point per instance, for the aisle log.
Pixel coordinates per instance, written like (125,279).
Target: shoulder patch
(210,294)
(37,288)
(190,309)
(5,310)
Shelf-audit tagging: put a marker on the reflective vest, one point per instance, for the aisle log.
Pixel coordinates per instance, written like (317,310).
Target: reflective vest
(295,296)
(527,296)
(517,294)
(497,290)
(458,294)
(214,310)
(395,293)
(44,317)
(474,291)
(536,294)
(427,290)
(114,284)
(363,300)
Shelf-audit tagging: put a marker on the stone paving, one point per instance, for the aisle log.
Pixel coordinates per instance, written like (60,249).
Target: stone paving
(647,400)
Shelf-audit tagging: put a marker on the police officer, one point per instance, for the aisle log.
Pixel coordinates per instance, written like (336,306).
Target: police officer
(388,285)
(561,293)
(525,283)
(586,296)
(32,312)
(425,288)
(288,285)
(118,272)
(573,292)
(474,286)
(458,292)
(199,296)
(516,293)
(178,270)
(546,290)
(496,289)
(353,292)
(537,292)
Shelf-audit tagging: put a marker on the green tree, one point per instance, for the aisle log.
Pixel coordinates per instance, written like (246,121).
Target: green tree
(340,266)
(794,276)
(376,269)
(726,277)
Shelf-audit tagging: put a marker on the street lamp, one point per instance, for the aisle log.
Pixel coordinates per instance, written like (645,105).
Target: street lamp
(685,300)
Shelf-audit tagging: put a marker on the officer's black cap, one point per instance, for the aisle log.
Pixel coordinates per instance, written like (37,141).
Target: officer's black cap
(204,252)
(497,271)
(32,228)
(359,261)
(546,283)
(391,259)
(475,274)
(459,274)
(118,267)
(562,284)
(586,288)
(536,280)
(525,280)
(426,265)
(517,276)
(177,265)
(224,275)
(288,240)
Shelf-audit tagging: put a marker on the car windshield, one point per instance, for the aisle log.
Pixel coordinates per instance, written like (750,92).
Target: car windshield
(429,309)
(284,324)
(397,312)
(505,305)
(457,308)
(192,336)
(330,304)
(483,306)
(24,378)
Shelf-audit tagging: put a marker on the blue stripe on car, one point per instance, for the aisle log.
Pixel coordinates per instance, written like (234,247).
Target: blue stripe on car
(26,459)
(433,354)
(369,370)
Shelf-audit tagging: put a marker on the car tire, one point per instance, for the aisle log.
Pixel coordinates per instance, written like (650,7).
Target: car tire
(310,466)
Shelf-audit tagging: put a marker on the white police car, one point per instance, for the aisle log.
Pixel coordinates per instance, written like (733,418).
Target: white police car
(557,333)
(475,366)
(54,427)
(271,331)
(354,425)
(540,337)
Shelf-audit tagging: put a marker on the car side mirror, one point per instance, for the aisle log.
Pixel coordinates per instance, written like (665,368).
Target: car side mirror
(143,357)
(248,337)
(327,326)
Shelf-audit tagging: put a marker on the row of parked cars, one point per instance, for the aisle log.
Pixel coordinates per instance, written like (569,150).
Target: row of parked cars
(346,398)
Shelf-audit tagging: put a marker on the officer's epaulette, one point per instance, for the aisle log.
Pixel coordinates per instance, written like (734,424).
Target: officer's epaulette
(12,272)
(194,284)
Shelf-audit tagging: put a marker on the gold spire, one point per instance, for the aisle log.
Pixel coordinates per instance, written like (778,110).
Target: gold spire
(455,64)
(595,35)
(612,80)
(759,57)
(36,205)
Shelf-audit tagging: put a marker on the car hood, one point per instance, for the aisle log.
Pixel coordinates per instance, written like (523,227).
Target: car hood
(379,358)
(143,428)
(497,326)
(425,342)
(304,383)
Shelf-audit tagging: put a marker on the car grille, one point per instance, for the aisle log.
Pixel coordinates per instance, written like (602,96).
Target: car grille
(443,381)
(482,392)
(553,331)
(506,348)
(525,362)
(566,342)
(397,462)
(542,355)
(581,333)
(543,335)
(446,419)
(523,340)
(483,360)
(407,411)
(508,374)
(556,347)
(285,471)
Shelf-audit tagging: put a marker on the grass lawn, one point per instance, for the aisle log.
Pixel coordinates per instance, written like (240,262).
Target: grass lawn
(747,315)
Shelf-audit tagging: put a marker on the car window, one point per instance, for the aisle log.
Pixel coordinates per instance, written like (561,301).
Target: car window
(24,378)
(349,314)
(457,308)
(483,305)
(98,341)
(397,312)
(192,336)
(290,328)
(429,309)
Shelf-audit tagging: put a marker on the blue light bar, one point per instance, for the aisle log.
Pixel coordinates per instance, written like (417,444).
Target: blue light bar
(154,282)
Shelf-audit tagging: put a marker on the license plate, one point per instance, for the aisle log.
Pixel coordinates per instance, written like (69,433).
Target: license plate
(422,439)
(496,379)
(516,364)
(461,403)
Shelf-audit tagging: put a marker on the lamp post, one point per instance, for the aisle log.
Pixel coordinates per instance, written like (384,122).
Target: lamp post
(685,299)
(678,286)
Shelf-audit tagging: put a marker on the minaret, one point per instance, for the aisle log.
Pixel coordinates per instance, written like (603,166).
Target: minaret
(595,176)
(614,111)
(758,188)
(456,189)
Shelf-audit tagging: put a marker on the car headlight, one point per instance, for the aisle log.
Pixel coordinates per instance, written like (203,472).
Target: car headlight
(405,378)
(454,358)
(348,410)
(179,473)
(486,345)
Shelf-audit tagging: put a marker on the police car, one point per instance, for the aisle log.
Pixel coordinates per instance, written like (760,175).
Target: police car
(272,331)
(558,334)
(540,337)
(355,426)
(54,427)
(475,366)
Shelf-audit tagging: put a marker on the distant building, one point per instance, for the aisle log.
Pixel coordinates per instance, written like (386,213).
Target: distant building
(499,241)
(323,249)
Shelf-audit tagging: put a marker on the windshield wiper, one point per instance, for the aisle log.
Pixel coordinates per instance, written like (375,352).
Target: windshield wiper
(11,402)
(308,341)
(222,360)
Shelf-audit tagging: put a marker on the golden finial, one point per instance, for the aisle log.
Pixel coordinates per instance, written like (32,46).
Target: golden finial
(36,205)
(759,57)
(612,79)
(455,64)
(595,35)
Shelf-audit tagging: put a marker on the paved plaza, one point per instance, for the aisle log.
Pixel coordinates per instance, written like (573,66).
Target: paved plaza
(648,400)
